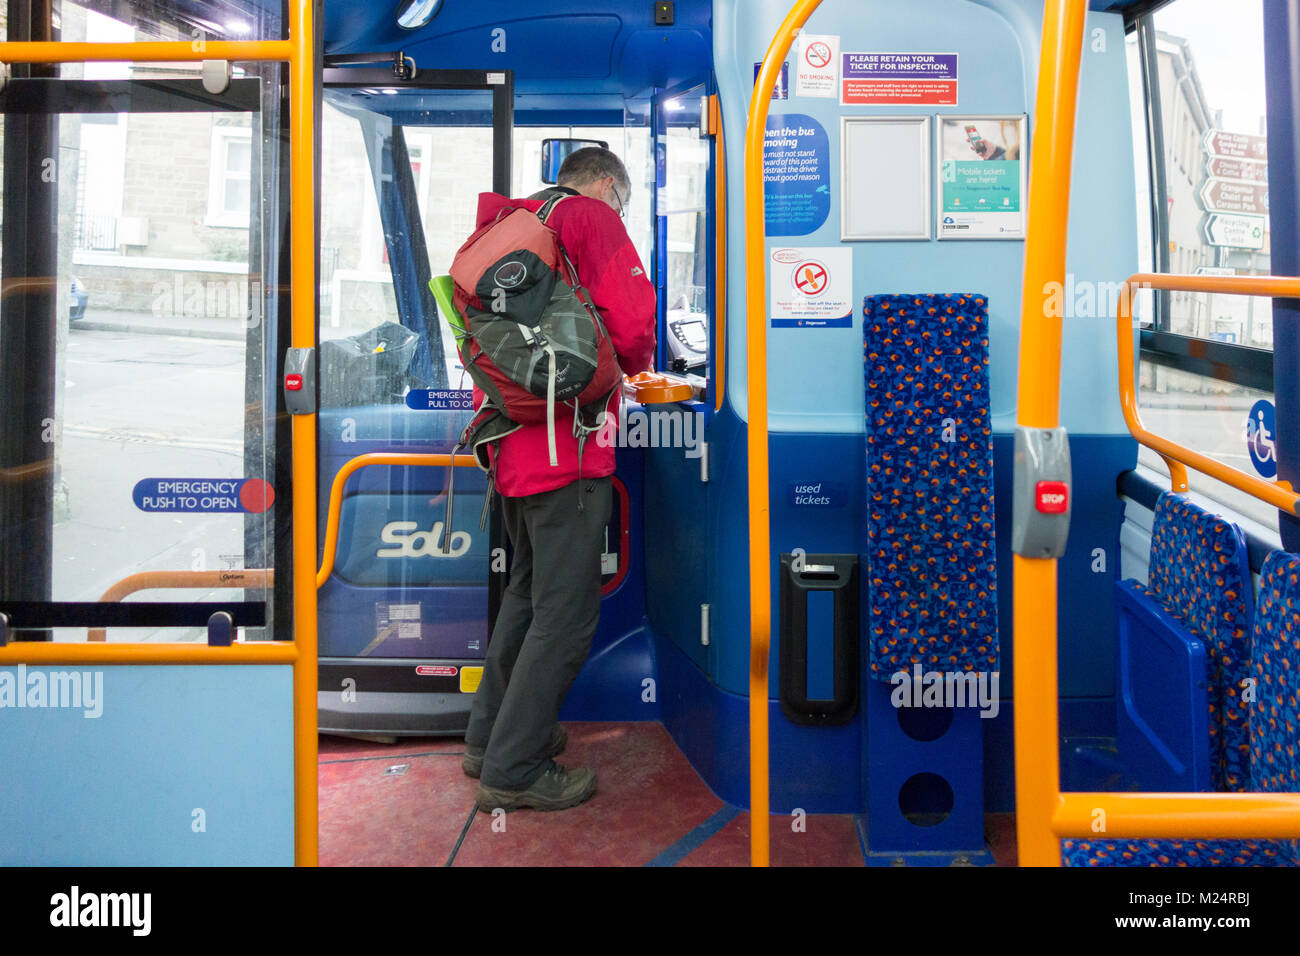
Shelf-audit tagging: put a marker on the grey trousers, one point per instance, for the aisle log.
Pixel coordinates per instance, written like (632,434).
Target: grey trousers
(543,630)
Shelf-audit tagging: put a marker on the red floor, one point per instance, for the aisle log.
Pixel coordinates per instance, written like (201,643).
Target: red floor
(650,807)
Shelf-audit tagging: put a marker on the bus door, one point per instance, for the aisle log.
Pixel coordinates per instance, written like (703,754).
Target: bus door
(144,469)
(403,621)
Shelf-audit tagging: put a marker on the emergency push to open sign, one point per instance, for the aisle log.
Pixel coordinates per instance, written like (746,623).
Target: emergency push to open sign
(203,495)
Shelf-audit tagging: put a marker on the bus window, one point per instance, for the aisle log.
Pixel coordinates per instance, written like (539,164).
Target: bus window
(684,205)
(154,412)
(364,219)
(1203,81)
(631,143)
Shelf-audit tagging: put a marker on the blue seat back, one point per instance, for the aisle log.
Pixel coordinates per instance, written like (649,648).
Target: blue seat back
(1275,715)
(1200,571)
(932,568)
(1161,725)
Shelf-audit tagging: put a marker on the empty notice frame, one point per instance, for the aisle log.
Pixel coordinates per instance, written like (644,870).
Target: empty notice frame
(885,177)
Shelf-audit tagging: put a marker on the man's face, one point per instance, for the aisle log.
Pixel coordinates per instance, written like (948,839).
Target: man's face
(607,191)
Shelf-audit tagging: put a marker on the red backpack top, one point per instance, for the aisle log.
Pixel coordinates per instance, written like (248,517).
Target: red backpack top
(532,338)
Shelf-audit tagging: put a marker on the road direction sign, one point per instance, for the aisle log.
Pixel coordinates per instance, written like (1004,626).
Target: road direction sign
(1235,145)
(1237,232)
(1245,170)
(1227,195)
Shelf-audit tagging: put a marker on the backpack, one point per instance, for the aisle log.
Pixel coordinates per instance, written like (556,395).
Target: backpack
(530,336)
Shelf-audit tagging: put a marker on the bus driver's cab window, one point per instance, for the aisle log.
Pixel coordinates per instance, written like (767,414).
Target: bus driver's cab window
(683,205)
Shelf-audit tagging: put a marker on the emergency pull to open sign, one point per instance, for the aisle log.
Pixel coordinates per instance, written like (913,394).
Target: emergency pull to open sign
(203,495)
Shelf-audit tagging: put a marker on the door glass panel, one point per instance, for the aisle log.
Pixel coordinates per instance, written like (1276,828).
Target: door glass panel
(402,172)
(142,444)
(684,205)
(631,143)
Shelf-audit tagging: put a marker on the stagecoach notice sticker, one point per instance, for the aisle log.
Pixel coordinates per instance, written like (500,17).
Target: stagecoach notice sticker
(811,287)
(898,79)
(818,66)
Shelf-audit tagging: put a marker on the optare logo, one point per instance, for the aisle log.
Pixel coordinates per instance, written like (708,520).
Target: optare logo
(421,543)
(510,275)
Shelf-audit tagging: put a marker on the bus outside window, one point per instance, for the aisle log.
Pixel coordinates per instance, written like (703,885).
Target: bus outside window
(1207,215)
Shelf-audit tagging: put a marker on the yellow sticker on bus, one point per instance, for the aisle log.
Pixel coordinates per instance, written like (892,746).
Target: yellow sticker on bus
(469,679)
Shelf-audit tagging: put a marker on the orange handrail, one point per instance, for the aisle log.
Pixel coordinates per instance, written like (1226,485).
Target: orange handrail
(1278,494)
(1043,813)
(720,235)
(760,529)
(413,459)
(150,580)
(1038,406)
(162,652)
(299,52)
(148,51)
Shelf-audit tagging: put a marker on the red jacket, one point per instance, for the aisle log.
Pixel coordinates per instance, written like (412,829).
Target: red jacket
(609,268)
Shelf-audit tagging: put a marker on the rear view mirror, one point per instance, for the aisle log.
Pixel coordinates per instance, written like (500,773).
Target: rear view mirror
(556,151)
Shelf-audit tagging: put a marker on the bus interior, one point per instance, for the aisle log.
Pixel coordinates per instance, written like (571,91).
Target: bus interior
(853,486)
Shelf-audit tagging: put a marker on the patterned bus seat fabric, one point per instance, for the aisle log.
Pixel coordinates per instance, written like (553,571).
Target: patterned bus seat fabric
(930,553)
(1200,572)
(1274,721)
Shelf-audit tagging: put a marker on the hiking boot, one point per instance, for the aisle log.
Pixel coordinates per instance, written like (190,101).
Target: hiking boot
(472,762)
(556,789)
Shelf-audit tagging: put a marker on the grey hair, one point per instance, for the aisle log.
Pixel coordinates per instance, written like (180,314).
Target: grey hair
(590,163)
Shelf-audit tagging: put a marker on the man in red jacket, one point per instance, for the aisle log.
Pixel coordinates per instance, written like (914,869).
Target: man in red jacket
(549,612)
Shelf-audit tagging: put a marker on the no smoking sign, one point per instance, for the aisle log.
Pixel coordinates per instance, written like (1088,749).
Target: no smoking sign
(818,67)
(818,54)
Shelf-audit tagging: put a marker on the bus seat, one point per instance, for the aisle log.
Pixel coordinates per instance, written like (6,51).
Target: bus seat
(1183,651)
(933,571)
(1161,697)
(1274,729)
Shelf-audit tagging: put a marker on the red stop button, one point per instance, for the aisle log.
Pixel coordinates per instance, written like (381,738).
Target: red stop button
(1052,497)
(293,382)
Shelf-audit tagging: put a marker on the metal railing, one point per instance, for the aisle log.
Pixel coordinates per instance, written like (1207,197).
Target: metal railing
(1043,813)
(760,525)
(1178,458)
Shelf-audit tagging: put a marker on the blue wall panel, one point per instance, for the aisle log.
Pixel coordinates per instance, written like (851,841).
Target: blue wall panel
(123,788)
(815,374)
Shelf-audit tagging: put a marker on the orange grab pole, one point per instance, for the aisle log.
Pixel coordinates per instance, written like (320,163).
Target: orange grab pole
(1180,815)
(412,459)
(760,545)
(720,230)
(65,652)
(1278,494)
(149,51)
(1037,769)
(303,70)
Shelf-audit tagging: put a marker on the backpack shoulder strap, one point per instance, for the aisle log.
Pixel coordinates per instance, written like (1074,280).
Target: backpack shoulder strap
(548,207)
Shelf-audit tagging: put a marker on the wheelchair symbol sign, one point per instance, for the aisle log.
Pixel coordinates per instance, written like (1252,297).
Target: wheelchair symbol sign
(1261,438)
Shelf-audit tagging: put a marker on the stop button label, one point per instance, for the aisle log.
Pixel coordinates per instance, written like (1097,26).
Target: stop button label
(1052,497)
